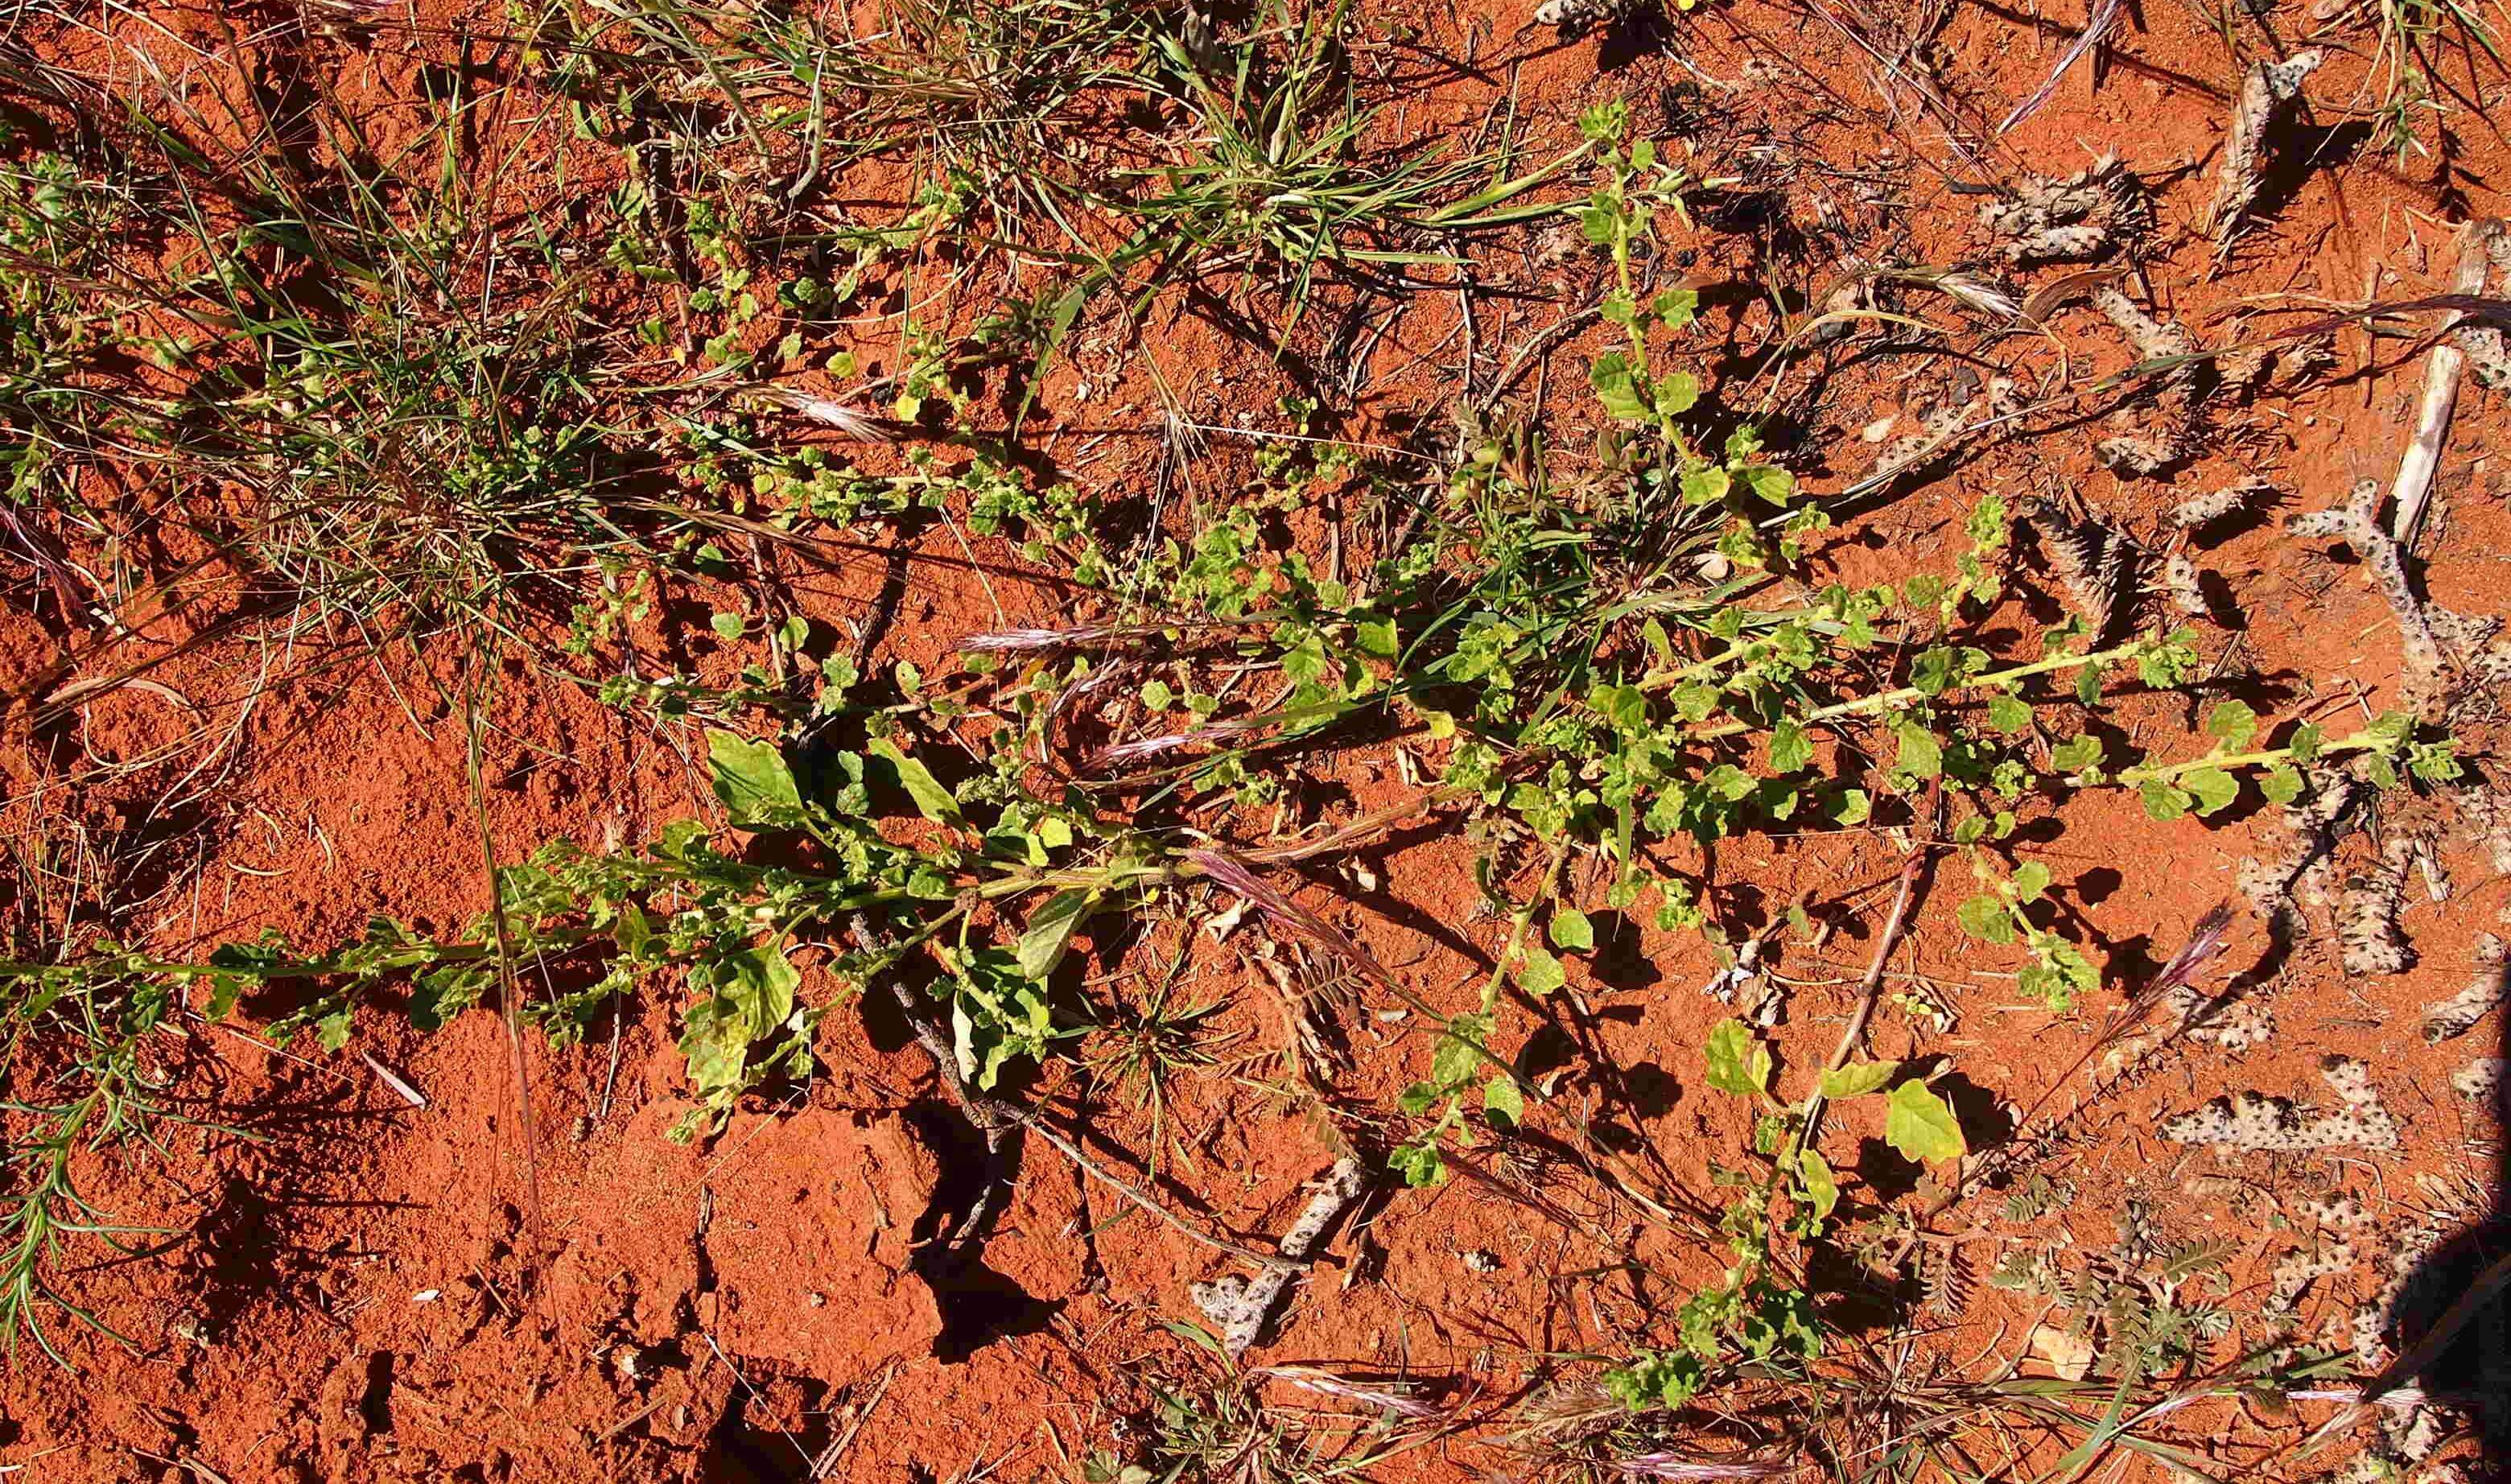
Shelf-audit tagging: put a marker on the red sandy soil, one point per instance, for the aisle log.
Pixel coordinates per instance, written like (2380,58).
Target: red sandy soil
(353,1289)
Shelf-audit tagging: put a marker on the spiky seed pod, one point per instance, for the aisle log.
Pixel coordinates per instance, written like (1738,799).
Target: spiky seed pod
(2367,916)
(2222,506)
(2447,1019)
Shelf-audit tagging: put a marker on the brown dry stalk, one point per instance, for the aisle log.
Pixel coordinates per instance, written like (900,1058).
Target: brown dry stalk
(510,993)
(1871,989)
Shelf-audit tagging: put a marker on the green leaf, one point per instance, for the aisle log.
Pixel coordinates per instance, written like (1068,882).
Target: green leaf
(1737,1062)
(2211,787)
(2062,975)
(1729,782)
(1617,390)
(2076,753)
(1457,1054)
(726,626)
(1790,748)
(2281,783)
(931,799)
(2009,713)
(2031,879)
(1418,1163)
(1921,754)
(752,779)
(1702,485)
(1539,972)
(1770,483)
(1042,944)
(1570,931)
(2162,801)
(1851,807)
(763,982)
(1984,916)
(1822,1188)
(1375,637)
(2233,723)
(1858,1079)
(1677,394)
(1624,707)
(1501,1096)
(1920,1123)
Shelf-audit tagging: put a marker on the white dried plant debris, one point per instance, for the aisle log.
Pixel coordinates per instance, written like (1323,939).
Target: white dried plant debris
(2474,642)
(2481,340)
(2376,1318)
(2141,454)
(2255,1120)
(2093,561)
(2167,441)
(2447,1019)
(2277,889)
(1240,1305)
(2408,1434)
(2367,916)
(2075,218)
(2480,1080)
(1576,17)
(2425,687)
(2243,373)
(2429,866)
(2233,499)
(2336,1210)
(1951,424)
(861,426)
(2266,94)
(2181,585)
(2153,339)
(2236,1020)
(2297,1271)
(2484,818)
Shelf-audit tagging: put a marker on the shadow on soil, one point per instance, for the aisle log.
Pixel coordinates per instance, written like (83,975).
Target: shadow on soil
(2467,1281)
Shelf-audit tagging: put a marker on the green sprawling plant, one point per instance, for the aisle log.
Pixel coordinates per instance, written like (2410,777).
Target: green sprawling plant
(80,1086)
(1573,690)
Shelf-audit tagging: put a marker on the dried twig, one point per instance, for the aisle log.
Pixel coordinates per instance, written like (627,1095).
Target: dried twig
(2443,373)
(1239,1304)
(2106,14)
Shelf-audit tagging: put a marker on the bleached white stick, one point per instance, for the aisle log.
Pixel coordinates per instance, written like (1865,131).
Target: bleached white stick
(2446,365)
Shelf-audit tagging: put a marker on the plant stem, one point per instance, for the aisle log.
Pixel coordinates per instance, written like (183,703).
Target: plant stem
(1885,699)
(2360,741)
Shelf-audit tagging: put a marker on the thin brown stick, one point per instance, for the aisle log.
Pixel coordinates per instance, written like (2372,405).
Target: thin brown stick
(1139,1198)
(510,991)
(826,1462)
(1871,989)
(1358,830)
